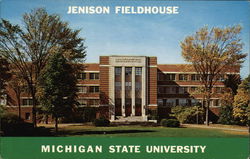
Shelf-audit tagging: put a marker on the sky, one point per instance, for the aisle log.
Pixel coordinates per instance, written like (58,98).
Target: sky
(147,35)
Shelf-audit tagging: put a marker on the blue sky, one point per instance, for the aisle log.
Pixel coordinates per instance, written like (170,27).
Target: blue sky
(150,35)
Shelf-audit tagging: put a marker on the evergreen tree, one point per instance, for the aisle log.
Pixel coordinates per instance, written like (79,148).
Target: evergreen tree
(58,87)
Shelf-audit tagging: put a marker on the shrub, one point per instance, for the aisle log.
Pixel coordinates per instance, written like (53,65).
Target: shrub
(170,123)
(11,125)
(226,115)
(188,114)
(101,122)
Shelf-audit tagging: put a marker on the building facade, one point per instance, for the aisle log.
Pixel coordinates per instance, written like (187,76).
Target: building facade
(133,87)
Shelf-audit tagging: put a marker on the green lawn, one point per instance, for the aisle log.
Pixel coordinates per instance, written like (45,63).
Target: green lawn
(142,131)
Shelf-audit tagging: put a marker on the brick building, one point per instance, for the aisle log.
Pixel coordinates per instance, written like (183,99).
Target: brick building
(132,87)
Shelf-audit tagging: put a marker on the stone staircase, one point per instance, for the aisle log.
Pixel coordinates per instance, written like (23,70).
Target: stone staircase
(132,120)
(129,119)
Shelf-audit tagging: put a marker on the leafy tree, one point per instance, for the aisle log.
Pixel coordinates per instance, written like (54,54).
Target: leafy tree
(28,48)
(185,114)
(212,52)
(241,107)
(58,87)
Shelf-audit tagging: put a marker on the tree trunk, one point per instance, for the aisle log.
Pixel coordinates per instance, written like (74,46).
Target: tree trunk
(34,109)
(56,124)
(19,105)
(207,111)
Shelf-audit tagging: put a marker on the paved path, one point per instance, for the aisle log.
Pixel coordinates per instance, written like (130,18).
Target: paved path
(240,129)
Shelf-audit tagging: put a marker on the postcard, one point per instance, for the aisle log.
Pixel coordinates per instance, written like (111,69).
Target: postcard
(124,79)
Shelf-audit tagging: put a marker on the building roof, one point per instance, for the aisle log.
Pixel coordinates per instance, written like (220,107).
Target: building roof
(189,68)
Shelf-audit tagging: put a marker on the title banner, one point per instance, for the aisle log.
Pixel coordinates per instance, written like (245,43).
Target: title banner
(93,148)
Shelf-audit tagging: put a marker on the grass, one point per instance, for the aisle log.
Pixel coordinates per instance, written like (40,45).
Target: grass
(143,131)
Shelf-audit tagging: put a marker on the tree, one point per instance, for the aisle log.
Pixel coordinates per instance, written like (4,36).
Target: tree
(4,74)
(58,87)
(212,53)
(28,48)
(241,107)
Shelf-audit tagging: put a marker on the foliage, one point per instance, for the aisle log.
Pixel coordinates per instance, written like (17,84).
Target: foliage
(170,123)
(29,47)
(101,122)
(241,110)
(226,115)
(2,110)
(232,82)
(212,53)
(4,74)
(57,83)
(188,114)
(80,115)
(12,125)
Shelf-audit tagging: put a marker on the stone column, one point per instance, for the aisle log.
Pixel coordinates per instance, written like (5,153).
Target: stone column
(133,91)
(123,91)
(112,91)
(143,93)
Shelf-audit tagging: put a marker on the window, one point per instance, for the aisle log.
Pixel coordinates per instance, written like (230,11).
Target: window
(128,84)
(170,77)
(171,90)
(183,90)
(195,77)
(94,76)
(220,78)
(27,116)
(94,89)
(128,70)
(216,102)
(194,102)
(218,90)
(82,89)
(138,71)
(27,102)
(118,86)
(170,102)
(82,102)
(183,102)
(81,76)
(137,85)
(118,71)
(160,102)
(161,77)
(161,90)
(94,102)
(183,77)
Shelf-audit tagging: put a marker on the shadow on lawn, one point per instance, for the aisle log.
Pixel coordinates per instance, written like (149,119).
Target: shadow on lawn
(63,133)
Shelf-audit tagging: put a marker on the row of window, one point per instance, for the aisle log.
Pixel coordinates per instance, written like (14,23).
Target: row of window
(182,77)
(184,90)
(88,102)
(92,76)
(128,71)
(185,102)
(88,89)
(128,85)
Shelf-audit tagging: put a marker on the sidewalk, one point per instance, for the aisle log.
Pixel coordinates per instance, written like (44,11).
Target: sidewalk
(219,126)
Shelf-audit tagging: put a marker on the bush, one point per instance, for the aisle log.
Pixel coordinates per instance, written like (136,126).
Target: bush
(188,114)
(11,125)
(101,122)
(170,123)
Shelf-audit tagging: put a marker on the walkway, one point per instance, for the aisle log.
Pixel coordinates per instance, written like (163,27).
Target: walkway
(221,127)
